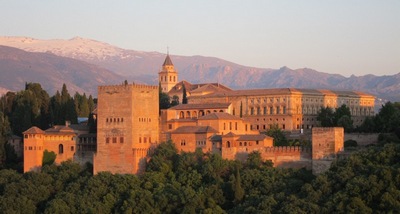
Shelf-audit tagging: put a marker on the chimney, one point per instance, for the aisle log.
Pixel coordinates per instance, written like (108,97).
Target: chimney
(67,123)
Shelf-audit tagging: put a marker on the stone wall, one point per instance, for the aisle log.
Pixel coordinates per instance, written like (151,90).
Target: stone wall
(288,156)
(127,127)
(326,144)
(362,139)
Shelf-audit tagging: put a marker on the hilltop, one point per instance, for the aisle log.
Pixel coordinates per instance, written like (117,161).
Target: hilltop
(141,66)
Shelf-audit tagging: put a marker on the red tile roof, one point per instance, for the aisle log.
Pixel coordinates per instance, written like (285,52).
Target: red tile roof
(201,106)
(33,130)
(194,129)
(219,116)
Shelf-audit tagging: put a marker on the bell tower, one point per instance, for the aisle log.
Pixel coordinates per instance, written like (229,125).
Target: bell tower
(168,76)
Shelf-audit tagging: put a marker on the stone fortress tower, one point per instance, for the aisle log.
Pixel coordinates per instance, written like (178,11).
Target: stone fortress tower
(168,76)
(127,127)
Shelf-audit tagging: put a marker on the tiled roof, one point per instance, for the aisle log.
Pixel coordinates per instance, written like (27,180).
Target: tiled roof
(34,130)
(167,61)
(198,88)
(288,91)
(219,116)
(195,129)
(58,128)
(216,138)
(252,137)
(230,134)
(201,106)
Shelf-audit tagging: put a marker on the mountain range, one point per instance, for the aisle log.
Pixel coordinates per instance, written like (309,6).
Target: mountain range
(84,64)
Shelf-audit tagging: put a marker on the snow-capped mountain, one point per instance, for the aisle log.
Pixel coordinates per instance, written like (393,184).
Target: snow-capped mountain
(140,66)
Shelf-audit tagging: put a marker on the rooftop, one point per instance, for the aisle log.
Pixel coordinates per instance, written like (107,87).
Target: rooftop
(194,129)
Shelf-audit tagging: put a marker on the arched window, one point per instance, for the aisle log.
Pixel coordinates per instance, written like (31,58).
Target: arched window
(181,115)
(60,149)
(188,114)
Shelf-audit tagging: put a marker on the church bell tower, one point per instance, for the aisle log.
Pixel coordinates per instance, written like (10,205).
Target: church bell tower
(168,76)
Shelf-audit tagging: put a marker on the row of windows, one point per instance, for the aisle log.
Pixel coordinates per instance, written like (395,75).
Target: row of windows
(201,143)
(144,139)
(165,78)
(52,137)
(143,119)
(33,147)
(115,120)
(230,126)
(60,148)
(195,114)
(183,142)
(270,119)
(268,110)
(114,139)
(265,100)
(245,143)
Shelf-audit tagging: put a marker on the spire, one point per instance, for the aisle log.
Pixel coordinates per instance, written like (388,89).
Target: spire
(167,60)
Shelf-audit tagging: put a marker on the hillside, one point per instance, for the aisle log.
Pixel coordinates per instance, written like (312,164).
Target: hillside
(18,67)
(140,66)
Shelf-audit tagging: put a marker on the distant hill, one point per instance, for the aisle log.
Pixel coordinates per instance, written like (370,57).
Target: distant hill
(18,67)
(140,66)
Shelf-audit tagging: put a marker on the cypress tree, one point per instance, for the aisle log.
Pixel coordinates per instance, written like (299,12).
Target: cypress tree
(184,96)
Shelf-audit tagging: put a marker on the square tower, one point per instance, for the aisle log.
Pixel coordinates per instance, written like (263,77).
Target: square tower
(327,142)
(127,127)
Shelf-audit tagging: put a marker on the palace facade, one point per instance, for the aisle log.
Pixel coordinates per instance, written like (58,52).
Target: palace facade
(216,119)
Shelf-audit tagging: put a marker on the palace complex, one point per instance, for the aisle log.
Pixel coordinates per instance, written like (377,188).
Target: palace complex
(216,119)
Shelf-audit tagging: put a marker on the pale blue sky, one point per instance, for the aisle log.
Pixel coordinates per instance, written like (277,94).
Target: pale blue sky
(333,36)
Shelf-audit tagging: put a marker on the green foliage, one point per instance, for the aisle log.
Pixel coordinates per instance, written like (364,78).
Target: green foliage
(278,135)
(184,95)
(366,182)
(326,117)
(341,117)
(48,157)
(175,100)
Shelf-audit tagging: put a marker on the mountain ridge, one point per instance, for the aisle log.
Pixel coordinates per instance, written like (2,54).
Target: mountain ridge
(141,66)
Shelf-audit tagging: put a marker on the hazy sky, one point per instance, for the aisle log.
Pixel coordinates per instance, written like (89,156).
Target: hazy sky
(333,36)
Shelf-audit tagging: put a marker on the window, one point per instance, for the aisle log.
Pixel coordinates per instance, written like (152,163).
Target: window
(72,148)
(265,110)
(60,149)
(235,125)
(114,140)
(107,140)
(140,139)
(121,139)
(145,139)
(230,125)
(252,111)
(271,110)
(169,126)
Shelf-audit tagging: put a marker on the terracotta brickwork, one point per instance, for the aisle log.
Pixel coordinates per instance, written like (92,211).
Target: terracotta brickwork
(59,139)
(127,127)
(326,144)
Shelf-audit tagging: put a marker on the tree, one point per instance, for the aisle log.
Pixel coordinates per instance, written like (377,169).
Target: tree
(241,109)
(175,100)
(326,117)
(342,117)
(278,135)
(164,99)
(184,95)
(238,190)
(48,157)
(5,133)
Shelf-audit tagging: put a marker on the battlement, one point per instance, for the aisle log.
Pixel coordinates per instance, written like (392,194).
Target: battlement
(287,149)
(124,87)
